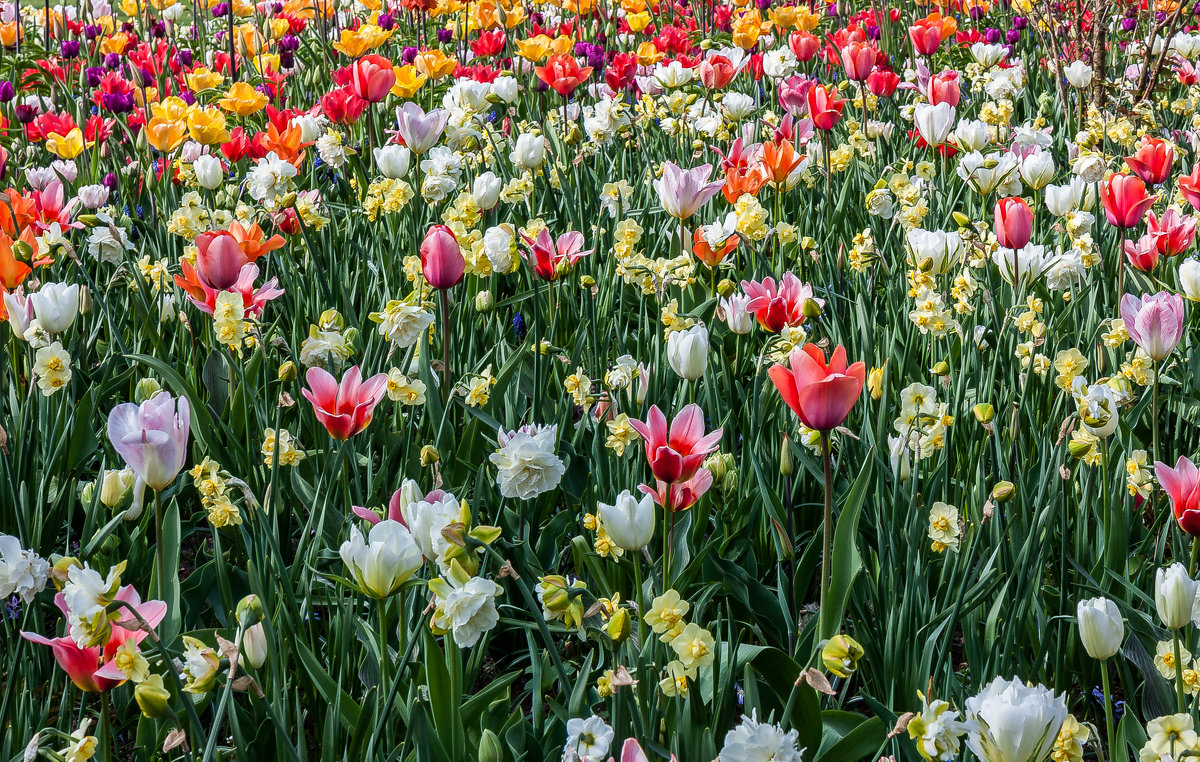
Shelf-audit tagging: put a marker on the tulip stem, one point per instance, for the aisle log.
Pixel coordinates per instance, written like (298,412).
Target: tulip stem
(383,659)
(1108,713)
(1182,701)
(1154,416)
(445,343)
(827,528)
(159,554)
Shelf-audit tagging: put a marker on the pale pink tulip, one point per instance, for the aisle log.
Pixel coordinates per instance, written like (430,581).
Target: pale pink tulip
(1154,322)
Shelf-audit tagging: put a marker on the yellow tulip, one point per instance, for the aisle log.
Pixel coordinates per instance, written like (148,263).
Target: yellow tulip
(408,81)
(203,79)
(562,45)
(207,126)
(638,21)
(648,54)
(164,135)
(173,109)
(242,99)
(67,146)
(115,43)
(534,49)
(278,28)
(267,63)
(435,64)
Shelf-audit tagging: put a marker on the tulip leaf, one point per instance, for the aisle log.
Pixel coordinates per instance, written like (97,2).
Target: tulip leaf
(348,709)
(845,560)
(865,740)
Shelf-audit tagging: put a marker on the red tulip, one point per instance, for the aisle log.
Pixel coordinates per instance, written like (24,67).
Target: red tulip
(1013,223)
(804,45)
(219,259)
(488,43)
(776,305)
(1182,485)
(824,107)
(373,78)
(858,58)
(1143,253)
(1125,200)
(344,409)
(716,72)
(944,88)
(822,395)
(1175,233)
(619,74)
(1189,186)
(562,73)
(926,36)
(675,456)
(442,261)
(883,83)
(1152,161)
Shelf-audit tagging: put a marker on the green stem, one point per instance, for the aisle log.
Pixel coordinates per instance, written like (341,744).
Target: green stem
(1108,709)
(827,522)
(1182,700)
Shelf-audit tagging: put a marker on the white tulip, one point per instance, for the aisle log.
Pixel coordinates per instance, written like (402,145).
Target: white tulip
(93,196)
(392,160)
(940,247)
(934,122)
(486,190)
(56,305)
(209,172)
(736,316)
(1174,596)
(1189,279)
(971,135)
(687,352)
(630,522)
(1013,722)
(1078,73)
(1037,169)
(505,88)
(381,563)
(1061,199)
(1101,627)
(529,151)
(254,645)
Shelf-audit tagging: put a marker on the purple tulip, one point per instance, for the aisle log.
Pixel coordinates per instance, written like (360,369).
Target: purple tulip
(1154,322)
(420,131)
(152,437)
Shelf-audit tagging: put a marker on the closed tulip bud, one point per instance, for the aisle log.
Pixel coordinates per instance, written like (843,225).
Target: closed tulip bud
(875,383)
(351,337)
(1174,596)
(287,371)
(287,200)
(209,173)
(152,698)
(687,352)
(629,521)
(1003,491)
(254,645)
(786,466)
(1101,627)
(331,320)
(115,486)
(840,655)
(60,567)
(429,455)
(983,412)
(88,220)
(1189,279)
(812,308)
(484,301)
(85,300)
(250,611)
(146,389)
(442,261)
(618,626)
(392,160)
(490,748)
(88,493)
(725,287)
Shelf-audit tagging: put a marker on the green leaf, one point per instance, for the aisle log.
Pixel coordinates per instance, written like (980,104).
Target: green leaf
(845,560)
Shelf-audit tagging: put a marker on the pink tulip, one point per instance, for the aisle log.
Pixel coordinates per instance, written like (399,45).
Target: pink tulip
(547,256)
(345,409)
(1013,223)
(822,395)
(1125,200)
(776,306)
(1182,485)
(372,77)
(1154,322)
(442,261)
(675,456)
(92,669)
(152,437)
(420,131)
(793,95)
(1143,253)
(204,296)
(1176,232)
(395,510)
(219,259)
(680,496)
(682,191)
(632,751)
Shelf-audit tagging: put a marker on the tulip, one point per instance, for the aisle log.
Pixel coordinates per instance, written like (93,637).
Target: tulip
(1061,199)
(883,84)
(384,561)
(710,254)
(778,305)
(675,455)
(1154,322)
(1189,279)
(934,251)
(1174,232)
(219,260)
(858,58)
(840,655)
(716,72)
(1189,186)
(442,261)
(152,437)
(1101,627)
(804,45)
(529,152)
(255,646)
(418,130)
(1013,223)
(1012,722)
(934,122)
(736,314)
(209,172)
(1037,169)
(629,522)
(687,352)
(820,394)
(1182,485)
(550,258)
(372,77)
(392,160)
(1143,253)
(926,36)
(1078,74)
(486,190)
(682,192)
(824,107)
(944,88)
(1174,596)
(1125,200)
(344,409)
(92,669)
(562,73)
(56,306)
(1152,161)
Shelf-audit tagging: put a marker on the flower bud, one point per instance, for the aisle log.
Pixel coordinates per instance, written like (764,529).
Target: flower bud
(840,655)
(115,486)
(484,301)
(984,412)
(146,389)
(554,593)
(812,308)
(941,369)
(250,611)
(1003,491)
(287,371)
(1174,596)
(1101,627)
(152,698)
(618,626)
(429,455)
(586,281)
(786,467)
(490,748)
(725,287)
(254,645)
